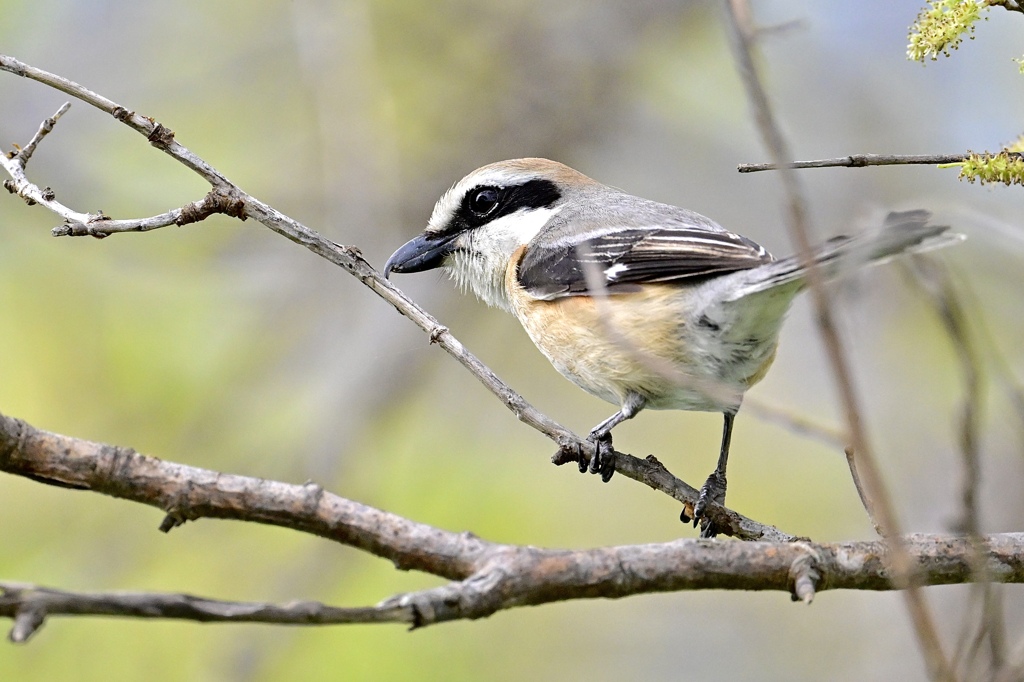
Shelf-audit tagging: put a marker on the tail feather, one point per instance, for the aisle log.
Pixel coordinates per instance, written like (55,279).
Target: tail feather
(902,232)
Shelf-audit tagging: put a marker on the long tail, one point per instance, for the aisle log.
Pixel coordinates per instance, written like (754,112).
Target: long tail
(905,232)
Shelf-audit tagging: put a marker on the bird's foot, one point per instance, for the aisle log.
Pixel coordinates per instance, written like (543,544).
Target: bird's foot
(713,490)
(603,461)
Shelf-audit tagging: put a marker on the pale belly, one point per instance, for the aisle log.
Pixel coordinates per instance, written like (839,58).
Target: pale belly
(645,343)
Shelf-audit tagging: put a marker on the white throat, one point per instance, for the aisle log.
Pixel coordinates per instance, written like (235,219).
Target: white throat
(483,254)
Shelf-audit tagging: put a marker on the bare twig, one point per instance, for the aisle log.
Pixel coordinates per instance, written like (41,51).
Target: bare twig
(985,622)
(865,500)
(30,605)
(934,281)
(741,25)
(1001,371)
(25,153)
(219,200)
(859,161)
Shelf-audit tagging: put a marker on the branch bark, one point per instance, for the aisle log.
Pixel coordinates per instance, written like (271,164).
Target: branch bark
(485,577)
(29,606)
(859,161)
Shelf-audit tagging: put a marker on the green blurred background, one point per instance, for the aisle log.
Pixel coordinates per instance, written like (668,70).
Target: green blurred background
(224,346)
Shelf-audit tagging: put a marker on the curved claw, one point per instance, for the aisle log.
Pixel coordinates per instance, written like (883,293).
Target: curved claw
(607,468)
(595,461)
(603,461)
(713,490)
(581,459)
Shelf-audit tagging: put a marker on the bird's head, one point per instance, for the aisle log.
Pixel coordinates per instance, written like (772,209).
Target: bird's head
(480,222)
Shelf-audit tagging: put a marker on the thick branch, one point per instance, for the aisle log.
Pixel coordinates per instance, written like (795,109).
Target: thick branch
(488,576)
(187,493)
(510,576)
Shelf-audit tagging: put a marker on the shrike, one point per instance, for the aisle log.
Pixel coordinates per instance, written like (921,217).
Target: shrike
(642,304)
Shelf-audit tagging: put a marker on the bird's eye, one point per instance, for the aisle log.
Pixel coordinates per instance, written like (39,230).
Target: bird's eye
(482,201)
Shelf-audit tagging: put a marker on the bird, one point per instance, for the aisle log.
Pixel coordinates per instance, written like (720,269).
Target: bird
(642,304)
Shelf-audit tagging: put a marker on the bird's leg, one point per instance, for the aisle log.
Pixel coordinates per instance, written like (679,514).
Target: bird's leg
(713,489)
(603,460)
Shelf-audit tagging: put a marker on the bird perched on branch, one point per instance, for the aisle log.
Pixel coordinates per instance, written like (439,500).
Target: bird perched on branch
(642,304)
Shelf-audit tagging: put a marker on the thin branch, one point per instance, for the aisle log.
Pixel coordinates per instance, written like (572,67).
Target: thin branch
(160,137)
(935,282)
(177,489)
(859,161)
(19,184)
(100,225)
(216,201)
(741,25)
(851,462)
(237,203)
(29,605)
(26,152)
(488,576)
(1001,371)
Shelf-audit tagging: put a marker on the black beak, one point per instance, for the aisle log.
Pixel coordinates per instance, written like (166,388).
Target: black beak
(424,252)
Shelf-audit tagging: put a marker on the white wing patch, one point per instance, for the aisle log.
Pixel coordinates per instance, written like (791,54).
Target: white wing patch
(635,255)
(614,271)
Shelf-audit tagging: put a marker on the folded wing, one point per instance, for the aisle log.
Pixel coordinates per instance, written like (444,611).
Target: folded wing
(617,260)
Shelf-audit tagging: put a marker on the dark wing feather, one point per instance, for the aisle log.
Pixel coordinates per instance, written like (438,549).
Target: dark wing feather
(635,256)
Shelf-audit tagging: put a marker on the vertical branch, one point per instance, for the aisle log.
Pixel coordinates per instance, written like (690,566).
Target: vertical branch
(986,620)
(934,280)
(742,33)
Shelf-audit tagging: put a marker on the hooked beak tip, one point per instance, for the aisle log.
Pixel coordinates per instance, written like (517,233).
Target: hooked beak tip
(424,252)
(388,267)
